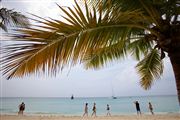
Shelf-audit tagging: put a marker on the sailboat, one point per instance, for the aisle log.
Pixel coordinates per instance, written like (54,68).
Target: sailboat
(113,97)
(72,97)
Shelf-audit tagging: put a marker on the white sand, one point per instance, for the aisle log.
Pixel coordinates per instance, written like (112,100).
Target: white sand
(120,117)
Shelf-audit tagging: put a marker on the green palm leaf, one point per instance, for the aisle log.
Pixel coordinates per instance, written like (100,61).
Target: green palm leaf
(101,56)
(139,47)
(150,68)
(55,43)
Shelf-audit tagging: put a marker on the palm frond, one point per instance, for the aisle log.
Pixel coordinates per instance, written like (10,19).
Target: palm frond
(55,43)
(157,10)
(139,47)
(100,57)
(150,68)
(11,17)
(152,12)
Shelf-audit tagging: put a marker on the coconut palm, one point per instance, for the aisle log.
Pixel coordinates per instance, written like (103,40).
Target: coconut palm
(11,17)
(147,30)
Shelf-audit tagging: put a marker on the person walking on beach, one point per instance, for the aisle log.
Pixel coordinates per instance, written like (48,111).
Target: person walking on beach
(108,110)
(94,110)
(21,108)
(86,110)
(138,108)
(151,108)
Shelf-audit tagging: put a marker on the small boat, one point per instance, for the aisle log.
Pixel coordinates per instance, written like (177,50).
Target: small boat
(114,97)
(72,97)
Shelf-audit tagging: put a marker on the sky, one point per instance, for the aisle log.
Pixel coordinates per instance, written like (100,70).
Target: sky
(119,78)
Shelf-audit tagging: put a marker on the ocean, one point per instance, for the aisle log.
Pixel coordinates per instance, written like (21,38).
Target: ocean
(68,107)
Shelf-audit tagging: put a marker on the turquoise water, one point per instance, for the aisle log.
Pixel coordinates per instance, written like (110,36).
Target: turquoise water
(66,106)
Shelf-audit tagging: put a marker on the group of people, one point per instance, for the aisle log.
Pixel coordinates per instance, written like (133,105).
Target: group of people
(108,109)
(22,108)
(94,110)
(139,110)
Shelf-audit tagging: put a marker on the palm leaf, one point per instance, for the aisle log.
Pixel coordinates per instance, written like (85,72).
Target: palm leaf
(56,44)
(139,47)
(10,17)
(150,68)
(100,57)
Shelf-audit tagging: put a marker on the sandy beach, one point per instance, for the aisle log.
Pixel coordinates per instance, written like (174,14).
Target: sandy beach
(119,117)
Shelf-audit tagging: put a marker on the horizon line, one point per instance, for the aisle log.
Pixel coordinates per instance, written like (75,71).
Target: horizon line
(86,96)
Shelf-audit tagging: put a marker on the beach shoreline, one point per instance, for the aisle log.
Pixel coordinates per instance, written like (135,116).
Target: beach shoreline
(78,115)
(169,116)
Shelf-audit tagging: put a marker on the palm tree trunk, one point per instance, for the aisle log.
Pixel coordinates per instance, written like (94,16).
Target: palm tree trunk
(175,61)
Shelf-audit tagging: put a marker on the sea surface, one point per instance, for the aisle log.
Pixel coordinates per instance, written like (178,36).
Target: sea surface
(66,106)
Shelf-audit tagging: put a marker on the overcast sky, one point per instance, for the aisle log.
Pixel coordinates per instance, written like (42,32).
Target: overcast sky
(120,76)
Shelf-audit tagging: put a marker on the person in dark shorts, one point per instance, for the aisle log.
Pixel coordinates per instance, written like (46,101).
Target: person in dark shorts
(21,108)
(108,110)
(151,108)
(94,110)
(138,108)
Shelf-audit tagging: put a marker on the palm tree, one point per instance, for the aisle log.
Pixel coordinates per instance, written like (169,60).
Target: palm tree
(11,17)
(148,30)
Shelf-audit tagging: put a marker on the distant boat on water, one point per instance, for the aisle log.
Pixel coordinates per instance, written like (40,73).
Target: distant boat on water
(114,97)
(72,97)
